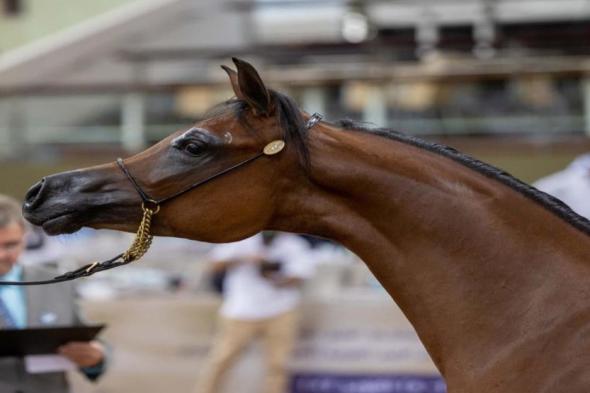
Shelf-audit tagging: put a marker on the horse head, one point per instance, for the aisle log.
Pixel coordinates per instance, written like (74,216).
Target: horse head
(213,182)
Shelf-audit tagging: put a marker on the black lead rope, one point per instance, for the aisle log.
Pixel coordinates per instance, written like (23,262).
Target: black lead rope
(137,250)
(84,271)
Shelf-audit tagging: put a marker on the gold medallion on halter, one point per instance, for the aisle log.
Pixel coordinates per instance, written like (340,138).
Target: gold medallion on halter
(274,147)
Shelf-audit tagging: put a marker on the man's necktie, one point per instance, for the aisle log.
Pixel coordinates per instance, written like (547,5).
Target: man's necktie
(9,321)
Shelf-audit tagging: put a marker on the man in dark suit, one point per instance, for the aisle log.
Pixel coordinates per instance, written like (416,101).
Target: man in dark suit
(36,306)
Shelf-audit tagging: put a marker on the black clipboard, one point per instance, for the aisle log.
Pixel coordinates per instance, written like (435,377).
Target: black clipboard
(43,340)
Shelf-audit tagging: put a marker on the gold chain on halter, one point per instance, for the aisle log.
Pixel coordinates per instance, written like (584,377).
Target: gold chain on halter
(143,237)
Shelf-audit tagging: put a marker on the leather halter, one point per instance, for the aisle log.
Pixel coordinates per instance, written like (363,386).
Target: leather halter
(150,207)
(148,200)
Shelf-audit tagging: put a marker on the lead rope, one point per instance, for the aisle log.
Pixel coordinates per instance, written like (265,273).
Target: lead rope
(140,245)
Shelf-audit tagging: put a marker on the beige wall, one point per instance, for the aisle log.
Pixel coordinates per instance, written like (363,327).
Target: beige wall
(161,343)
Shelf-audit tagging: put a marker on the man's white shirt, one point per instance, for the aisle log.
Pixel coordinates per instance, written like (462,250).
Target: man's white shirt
(572,185)
(247,295)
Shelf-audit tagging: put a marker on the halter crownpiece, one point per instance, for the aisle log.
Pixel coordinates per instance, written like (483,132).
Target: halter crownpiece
(313,120)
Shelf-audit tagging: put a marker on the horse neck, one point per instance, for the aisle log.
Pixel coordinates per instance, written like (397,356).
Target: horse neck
(473,264)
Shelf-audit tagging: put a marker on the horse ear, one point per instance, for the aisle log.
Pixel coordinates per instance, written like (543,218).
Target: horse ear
(252,88)
(233,78)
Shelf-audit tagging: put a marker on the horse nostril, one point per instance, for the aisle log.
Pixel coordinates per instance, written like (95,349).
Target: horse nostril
(33,196)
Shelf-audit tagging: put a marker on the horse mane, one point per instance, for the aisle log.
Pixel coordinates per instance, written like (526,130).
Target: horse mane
(294,131)
(293,126)
(548,201)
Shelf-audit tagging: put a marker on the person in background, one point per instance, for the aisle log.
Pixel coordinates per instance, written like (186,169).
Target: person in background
(261,295)
(571,185)
(36,306)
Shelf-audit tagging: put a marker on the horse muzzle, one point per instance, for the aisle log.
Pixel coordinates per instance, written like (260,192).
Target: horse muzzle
(45,205)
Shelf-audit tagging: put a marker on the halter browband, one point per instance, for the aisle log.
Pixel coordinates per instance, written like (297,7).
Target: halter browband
(150,207)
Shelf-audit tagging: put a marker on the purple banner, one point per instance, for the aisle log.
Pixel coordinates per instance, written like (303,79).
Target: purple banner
(334,383)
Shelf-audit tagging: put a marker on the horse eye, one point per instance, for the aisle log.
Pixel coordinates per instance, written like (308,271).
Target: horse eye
(193,148)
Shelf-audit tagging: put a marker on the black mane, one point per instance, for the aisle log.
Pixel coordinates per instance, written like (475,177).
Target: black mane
(293,125)
(549,202)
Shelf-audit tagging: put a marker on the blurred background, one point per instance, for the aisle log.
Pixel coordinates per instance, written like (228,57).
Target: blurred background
(507,81)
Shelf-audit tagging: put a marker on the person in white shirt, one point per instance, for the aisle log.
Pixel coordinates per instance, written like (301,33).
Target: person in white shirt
(571,185)
(261,294)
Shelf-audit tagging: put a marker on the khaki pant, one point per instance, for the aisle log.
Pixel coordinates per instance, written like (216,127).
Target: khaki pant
(278,335)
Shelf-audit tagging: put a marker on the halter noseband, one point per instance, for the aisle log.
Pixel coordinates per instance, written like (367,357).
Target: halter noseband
(150,207)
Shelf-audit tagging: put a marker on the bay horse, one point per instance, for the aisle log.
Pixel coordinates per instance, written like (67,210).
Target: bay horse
(493,274)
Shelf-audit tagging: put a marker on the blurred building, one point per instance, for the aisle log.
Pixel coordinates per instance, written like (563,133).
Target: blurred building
(85,81)
(123,73)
